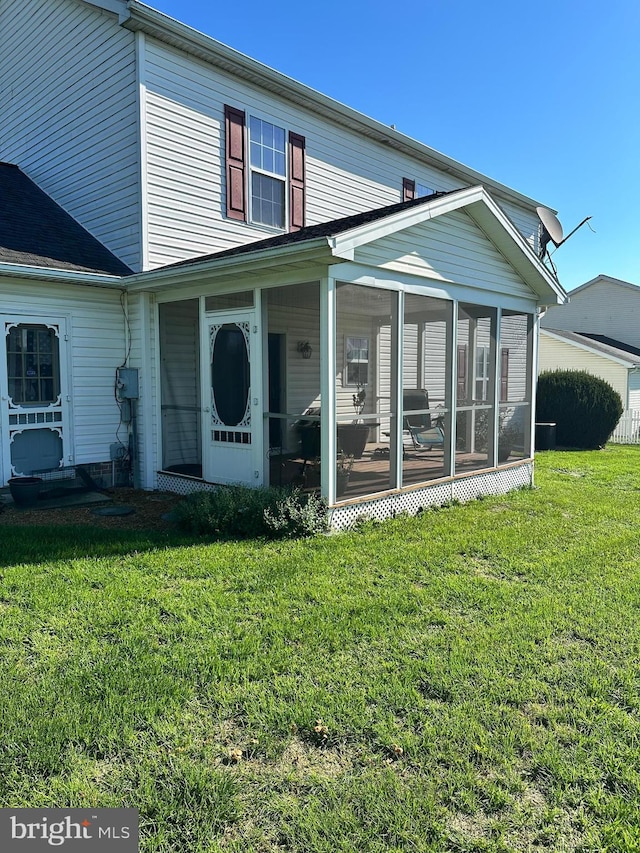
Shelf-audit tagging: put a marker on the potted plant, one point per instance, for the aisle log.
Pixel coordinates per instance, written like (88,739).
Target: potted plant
(353,437)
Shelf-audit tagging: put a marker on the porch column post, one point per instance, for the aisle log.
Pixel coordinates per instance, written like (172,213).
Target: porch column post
(328,388)
(397,400)
(494,352)
(451,393)
(145,474)
(533,335)
(472,358)
(258,409)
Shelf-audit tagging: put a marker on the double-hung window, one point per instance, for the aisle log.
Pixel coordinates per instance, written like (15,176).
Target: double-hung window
(356,351)
(265,172)
(482,373)
(268,163)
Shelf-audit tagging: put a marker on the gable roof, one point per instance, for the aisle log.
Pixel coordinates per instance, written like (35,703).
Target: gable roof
(613,350)
(335,241)
(601,279)
(329,229)
(37,232)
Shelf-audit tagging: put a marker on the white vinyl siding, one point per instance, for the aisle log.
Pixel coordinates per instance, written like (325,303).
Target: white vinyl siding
(180,383)
(558,355)
(96,347)
(143,356)
(513,337)
(603,308)
(634,390)
(185,98)
(302,375)
(450,248)
(69,117)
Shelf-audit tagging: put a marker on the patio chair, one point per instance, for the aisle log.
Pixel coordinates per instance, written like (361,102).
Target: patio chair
(425,439)
(423,431)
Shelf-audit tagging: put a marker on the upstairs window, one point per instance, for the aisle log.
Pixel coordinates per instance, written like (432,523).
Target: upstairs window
(265,172)
(268,173)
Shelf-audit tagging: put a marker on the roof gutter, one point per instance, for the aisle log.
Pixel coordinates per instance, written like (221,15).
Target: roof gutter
(142,17)
(319,250)
(62,276)
(583,345)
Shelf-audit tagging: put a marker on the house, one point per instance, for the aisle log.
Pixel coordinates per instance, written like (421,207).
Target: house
(210,273)
(597,331)
(602,306)
(614,361)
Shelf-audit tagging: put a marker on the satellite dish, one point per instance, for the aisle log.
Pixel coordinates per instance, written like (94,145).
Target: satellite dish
(551,224)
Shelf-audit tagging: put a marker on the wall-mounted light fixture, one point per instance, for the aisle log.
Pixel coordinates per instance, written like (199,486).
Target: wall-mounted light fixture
(304,348)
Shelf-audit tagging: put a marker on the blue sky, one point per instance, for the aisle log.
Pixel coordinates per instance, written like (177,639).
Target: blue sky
(543,96)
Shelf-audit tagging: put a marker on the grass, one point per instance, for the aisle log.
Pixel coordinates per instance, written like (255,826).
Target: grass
(468,680)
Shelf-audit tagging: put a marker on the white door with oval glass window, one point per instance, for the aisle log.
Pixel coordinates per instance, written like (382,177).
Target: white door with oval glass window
(33,383)
(232,399)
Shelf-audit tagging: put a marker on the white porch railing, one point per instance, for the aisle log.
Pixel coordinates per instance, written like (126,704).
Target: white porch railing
(628,429)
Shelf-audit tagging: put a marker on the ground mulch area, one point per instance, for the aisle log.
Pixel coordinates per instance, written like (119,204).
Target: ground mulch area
(150,507)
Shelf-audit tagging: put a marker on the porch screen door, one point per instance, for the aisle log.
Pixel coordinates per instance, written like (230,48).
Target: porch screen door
(33,384)
(231,413)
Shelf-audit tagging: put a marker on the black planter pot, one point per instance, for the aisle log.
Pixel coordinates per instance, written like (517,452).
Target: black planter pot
(25,490)
(352,439)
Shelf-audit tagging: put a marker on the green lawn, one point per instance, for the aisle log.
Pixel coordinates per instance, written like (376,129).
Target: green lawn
(467,680)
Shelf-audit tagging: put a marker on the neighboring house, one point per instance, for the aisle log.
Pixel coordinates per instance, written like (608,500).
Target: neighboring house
(245,256)
(603,306)
(615,362)
(598,331)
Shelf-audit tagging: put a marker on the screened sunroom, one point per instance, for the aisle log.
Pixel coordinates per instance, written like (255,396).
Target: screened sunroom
(362,363)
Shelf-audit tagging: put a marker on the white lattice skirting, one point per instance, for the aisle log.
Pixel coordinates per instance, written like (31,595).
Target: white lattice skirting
(462,489)
(497,482)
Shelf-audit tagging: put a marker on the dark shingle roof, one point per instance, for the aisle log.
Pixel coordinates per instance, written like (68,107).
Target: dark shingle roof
(599,343)
(311,232)
(612,342)
(35,231)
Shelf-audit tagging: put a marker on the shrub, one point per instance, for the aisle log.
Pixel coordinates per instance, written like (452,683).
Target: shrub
(584,408)
(239,511)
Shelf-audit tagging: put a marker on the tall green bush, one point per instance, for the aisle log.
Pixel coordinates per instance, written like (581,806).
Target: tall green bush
(584,408)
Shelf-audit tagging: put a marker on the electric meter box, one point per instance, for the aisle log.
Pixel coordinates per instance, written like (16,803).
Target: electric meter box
(127,383)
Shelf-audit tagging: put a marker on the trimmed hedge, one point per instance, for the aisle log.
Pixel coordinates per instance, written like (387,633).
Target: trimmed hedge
(239,511)
(584,408)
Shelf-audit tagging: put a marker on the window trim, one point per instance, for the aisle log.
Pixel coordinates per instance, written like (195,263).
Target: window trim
(282,179)
(23,377)
(239,171)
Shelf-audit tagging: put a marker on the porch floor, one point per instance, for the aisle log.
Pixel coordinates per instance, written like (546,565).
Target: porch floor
(370,473)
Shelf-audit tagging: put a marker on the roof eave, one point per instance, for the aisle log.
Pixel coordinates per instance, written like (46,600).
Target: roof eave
(318,251)
(164,28)
(62,275)
(632,365)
